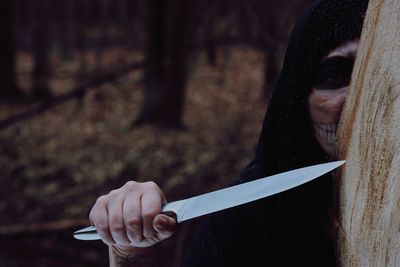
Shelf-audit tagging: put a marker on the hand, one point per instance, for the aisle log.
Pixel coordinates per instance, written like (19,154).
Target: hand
(129,217)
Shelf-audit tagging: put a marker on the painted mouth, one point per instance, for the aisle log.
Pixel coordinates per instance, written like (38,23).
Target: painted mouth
(327,131)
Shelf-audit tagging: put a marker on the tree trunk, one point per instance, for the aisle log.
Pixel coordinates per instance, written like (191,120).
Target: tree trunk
(165,74)
(154,71)
(81,9)
(7,51)
(369,191)
(66,29)
(41,48)
(172,106)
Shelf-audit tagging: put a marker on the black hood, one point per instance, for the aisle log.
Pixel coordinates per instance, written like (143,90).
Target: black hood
(287,140)
(298,219)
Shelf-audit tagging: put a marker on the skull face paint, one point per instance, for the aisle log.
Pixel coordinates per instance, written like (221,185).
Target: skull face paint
(326,99)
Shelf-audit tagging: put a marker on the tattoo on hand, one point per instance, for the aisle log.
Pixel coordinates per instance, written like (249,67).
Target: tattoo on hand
(132,260)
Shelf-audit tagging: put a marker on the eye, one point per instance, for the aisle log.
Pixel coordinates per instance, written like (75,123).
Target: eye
(336,78)
(332,80)
(333,73)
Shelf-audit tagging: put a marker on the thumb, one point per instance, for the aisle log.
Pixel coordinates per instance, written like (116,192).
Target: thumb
(164,225)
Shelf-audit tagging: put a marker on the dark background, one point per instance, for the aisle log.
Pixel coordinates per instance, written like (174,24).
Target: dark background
(98,92)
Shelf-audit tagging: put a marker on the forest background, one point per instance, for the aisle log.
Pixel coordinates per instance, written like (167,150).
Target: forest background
(96,93)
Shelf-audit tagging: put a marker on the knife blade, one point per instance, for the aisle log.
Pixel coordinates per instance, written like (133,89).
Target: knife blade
(233,196)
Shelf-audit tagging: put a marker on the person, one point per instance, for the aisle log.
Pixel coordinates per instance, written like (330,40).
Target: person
(293,228)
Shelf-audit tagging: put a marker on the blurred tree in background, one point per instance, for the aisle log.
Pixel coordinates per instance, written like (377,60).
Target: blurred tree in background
(78,74)
(7,51)
(166,65)
(40,49)
(168,33)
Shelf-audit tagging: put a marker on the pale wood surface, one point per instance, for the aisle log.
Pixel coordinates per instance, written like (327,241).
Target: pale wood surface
(369,134)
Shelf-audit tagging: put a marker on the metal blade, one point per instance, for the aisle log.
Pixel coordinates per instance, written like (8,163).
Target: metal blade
(248,192)
(233,196)
(87,233)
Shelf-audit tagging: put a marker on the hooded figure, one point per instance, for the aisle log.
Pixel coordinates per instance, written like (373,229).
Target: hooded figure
(291,228)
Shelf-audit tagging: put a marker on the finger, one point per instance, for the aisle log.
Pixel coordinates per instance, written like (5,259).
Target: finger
(115,218)
(131,212)
(164,226)
(99,218)
(151,203)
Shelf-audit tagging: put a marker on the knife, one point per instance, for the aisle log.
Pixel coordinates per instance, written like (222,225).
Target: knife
(233,196)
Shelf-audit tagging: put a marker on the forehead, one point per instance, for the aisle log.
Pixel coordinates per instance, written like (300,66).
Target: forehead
(348,49)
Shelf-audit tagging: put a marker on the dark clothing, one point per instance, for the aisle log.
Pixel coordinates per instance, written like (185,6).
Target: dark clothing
(269,232)
(289,229)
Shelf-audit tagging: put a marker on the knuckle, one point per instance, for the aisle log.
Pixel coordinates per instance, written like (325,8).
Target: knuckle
(133,222)
(102,227)
(117,227)
(151,185)
(137,238)
(113,193)
(114,220)
(102,200)
(131,185)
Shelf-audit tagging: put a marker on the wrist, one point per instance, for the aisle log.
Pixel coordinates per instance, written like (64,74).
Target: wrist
(131,251)
(131,256)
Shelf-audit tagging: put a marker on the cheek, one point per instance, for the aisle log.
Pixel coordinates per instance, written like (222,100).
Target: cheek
(326,106)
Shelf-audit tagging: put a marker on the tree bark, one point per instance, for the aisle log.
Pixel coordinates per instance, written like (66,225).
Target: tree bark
(369,134)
